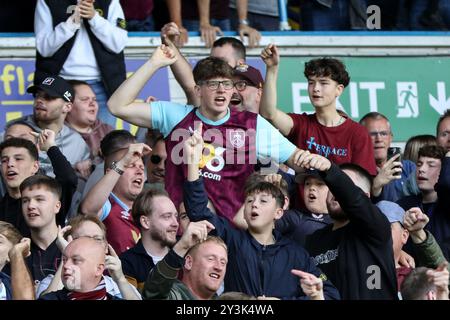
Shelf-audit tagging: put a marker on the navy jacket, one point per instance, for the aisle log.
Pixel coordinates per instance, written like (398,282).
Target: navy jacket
(136,265)
(254,268)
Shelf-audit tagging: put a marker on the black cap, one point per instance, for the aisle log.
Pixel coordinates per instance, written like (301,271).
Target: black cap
(54,86)
(301,177)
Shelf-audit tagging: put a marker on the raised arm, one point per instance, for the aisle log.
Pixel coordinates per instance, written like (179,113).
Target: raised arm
(194,195)
(174,8)
(243,28)
(302,159)
(64,172)
(21,282)
(268,107)
(181,69)
(95,199)
(365,216)
(208,32)
(428,252)
(114,266)
(390,171)
(122,105)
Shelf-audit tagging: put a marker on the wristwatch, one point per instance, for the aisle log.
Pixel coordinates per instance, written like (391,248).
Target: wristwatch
(244,22)
(116,168)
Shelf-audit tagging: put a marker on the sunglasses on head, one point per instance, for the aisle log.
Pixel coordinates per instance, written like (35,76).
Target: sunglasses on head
(155,159)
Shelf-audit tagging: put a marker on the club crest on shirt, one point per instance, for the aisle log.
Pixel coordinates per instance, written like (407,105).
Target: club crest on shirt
(236,137)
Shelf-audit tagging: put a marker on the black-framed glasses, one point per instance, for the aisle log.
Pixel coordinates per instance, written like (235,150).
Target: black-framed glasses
(214,84)
(240,85)
(155,159)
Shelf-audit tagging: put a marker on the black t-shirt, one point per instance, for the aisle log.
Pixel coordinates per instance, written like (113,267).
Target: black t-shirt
(323,247)
(41,263)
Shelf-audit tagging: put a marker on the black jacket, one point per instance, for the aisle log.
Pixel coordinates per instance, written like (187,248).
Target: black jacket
(136,265)
(365,266)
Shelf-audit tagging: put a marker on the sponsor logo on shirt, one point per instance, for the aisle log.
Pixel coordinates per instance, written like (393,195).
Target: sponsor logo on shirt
(325,150)
(326,257)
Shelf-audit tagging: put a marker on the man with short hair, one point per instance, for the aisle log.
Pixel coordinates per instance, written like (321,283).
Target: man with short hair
(53,98)
(392,174)
(230,49)
(157,218)
(19,129)
(91,227)
(203,260)
(426,284)
(84,264)
(358,242)
(112,197)
(40,196)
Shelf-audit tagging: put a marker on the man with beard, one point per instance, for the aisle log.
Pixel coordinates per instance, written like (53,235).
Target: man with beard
(113,195)
(203,260)
(248,83)
(355,251)
(157,218)
(53,99)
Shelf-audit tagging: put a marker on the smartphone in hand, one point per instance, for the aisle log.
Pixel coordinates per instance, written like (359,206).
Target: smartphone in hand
(391,152)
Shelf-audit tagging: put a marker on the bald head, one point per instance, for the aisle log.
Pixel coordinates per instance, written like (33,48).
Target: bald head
(84,262)
(88,247)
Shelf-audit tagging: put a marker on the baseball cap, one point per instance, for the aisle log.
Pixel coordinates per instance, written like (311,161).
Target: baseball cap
(249,73)
(392,211)
(54,86)
(301,177)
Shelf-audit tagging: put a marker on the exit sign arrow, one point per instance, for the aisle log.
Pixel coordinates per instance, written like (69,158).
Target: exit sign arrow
(441,103)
